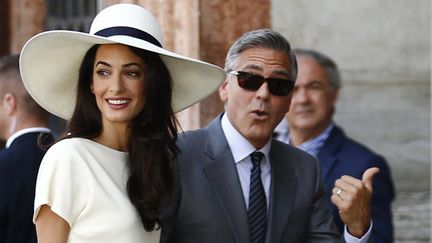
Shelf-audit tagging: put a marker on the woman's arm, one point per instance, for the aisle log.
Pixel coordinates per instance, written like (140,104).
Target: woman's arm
(51,228)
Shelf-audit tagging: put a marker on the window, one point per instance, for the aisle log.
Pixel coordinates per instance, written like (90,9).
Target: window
(70,14)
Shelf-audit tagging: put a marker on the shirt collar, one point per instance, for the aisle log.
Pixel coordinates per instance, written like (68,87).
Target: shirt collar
(239,145)
(25,131)
(313,145)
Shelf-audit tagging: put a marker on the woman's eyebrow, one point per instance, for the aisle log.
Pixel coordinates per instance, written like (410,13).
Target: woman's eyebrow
(103,63)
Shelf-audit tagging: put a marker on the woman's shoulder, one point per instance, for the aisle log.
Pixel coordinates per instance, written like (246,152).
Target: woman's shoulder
(73,154)
(69,145)
(82,148)
(64,150)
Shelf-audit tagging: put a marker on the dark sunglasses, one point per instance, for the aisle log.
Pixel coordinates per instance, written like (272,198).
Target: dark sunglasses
(252,82)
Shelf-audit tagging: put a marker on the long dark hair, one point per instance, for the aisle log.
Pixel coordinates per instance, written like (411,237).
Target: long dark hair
(151,143)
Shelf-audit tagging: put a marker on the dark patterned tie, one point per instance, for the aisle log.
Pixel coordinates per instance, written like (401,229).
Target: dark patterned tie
(257,213)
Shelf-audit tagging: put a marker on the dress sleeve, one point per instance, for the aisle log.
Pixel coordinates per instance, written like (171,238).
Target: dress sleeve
(61,183)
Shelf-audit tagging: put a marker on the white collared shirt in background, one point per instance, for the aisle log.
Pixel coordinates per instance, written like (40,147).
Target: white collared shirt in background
(25,131)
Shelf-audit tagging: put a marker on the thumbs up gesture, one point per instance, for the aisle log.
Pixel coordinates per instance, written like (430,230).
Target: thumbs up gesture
(353,199)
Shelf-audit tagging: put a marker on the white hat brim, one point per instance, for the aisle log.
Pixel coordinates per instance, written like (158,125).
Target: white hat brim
(50,64)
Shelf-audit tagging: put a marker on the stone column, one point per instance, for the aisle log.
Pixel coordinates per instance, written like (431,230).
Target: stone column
(221,23)
(26,19)
(179,20)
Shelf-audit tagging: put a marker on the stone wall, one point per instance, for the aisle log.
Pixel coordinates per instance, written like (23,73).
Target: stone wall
(383,51)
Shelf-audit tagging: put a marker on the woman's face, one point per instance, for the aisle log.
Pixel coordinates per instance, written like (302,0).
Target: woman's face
(118,84)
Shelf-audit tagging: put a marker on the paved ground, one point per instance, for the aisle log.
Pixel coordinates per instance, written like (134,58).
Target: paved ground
(411,216)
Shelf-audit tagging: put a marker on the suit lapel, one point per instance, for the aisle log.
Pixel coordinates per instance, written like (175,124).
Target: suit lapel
(223,178)
(283,190)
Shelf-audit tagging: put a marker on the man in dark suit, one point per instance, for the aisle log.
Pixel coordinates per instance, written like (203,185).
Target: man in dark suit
(311,128)
(236,184)
(21,123)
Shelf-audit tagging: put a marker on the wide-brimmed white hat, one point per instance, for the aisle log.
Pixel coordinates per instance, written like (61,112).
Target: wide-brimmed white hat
(50,61)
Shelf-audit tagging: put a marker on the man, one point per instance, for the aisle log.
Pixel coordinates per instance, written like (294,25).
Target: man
(21,123)
(311,128)
(239,185)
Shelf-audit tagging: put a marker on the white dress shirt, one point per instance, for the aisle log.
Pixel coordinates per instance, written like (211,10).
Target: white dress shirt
(241,149)
(25,131)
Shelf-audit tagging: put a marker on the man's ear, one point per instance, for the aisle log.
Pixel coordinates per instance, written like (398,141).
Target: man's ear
(334,96)
(9,103)
(223,91)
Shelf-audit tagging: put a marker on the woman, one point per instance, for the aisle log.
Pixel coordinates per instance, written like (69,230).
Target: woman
(107,180)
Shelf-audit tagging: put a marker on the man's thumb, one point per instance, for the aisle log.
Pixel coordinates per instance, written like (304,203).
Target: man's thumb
(368,176)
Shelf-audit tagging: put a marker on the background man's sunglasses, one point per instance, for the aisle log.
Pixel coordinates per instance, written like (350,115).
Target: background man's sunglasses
(252,82)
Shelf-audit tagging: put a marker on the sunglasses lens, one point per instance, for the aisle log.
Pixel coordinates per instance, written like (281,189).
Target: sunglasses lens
(280,87)
(249,81)
(276,86)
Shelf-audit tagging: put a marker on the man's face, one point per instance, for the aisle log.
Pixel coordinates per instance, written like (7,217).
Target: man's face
(256,113)
(313,100)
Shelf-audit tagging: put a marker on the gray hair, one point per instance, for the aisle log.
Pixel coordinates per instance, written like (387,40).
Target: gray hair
(326,62)
(261,38)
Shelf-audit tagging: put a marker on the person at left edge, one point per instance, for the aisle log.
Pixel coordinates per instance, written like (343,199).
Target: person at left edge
(108,178)
(24,127)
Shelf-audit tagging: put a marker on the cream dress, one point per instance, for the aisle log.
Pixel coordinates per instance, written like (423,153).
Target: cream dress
(84,182)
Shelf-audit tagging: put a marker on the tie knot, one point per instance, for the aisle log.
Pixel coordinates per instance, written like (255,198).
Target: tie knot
(256,157)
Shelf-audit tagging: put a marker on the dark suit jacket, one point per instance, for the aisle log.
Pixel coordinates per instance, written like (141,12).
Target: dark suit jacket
(19,166)
(208,206)
(341,155)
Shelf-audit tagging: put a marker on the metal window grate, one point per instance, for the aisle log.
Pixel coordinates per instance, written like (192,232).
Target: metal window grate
(70,14)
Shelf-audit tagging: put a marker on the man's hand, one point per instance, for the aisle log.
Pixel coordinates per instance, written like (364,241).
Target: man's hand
(353,199)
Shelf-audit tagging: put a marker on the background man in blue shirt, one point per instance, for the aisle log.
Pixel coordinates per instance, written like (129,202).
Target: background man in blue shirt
(310,127)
